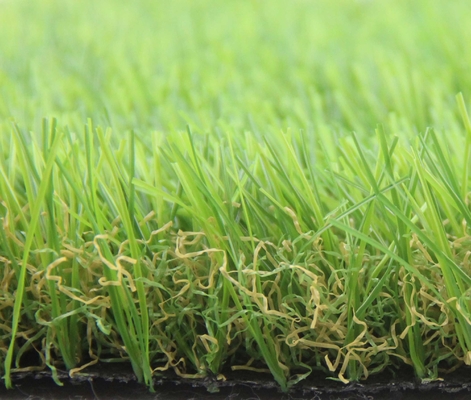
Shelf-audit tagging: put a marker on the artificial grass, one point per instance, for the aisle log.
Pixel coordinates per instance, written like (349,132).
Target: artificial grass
(180,187)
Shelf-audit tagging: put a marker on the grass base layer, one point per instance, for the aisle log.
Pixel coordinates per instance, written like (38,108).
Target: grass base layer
(120,382)
(195,200)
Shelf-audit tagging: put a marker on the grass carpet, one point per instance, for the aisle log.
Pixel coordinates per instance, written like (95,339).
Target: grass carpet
(277,187)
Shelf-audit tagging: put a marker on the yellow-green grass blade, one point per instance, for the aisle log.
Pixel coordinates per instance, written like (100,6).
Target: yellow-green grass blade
(35,215)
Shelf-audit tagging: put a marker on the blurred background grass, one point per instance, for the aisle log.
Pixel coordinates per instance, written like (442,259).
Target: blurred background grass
(250,65)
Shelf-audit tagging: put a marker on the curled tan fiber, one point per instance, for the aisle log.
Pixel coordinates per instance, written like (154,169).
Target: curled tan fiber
(152,234)
(5,260)
(432,299)
(58,279)
(184,289)
(184,235)
(351,354)
(71,249)
(369,351)
(293,340)
(467,358)
(248,367)
(296,223)
(463,314)
(357,341)
(147,218)
(407,303)
(206,339)
(352,349)
(415,241)
(36,288)
(277,345)
(244,238)
(173,363)
(259,298)
(170,357)
(287,245)
(74,371)
(179,252)
(118,267)
(466,261)
(94,358)
(262,244)
(315,294)
(8,274)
